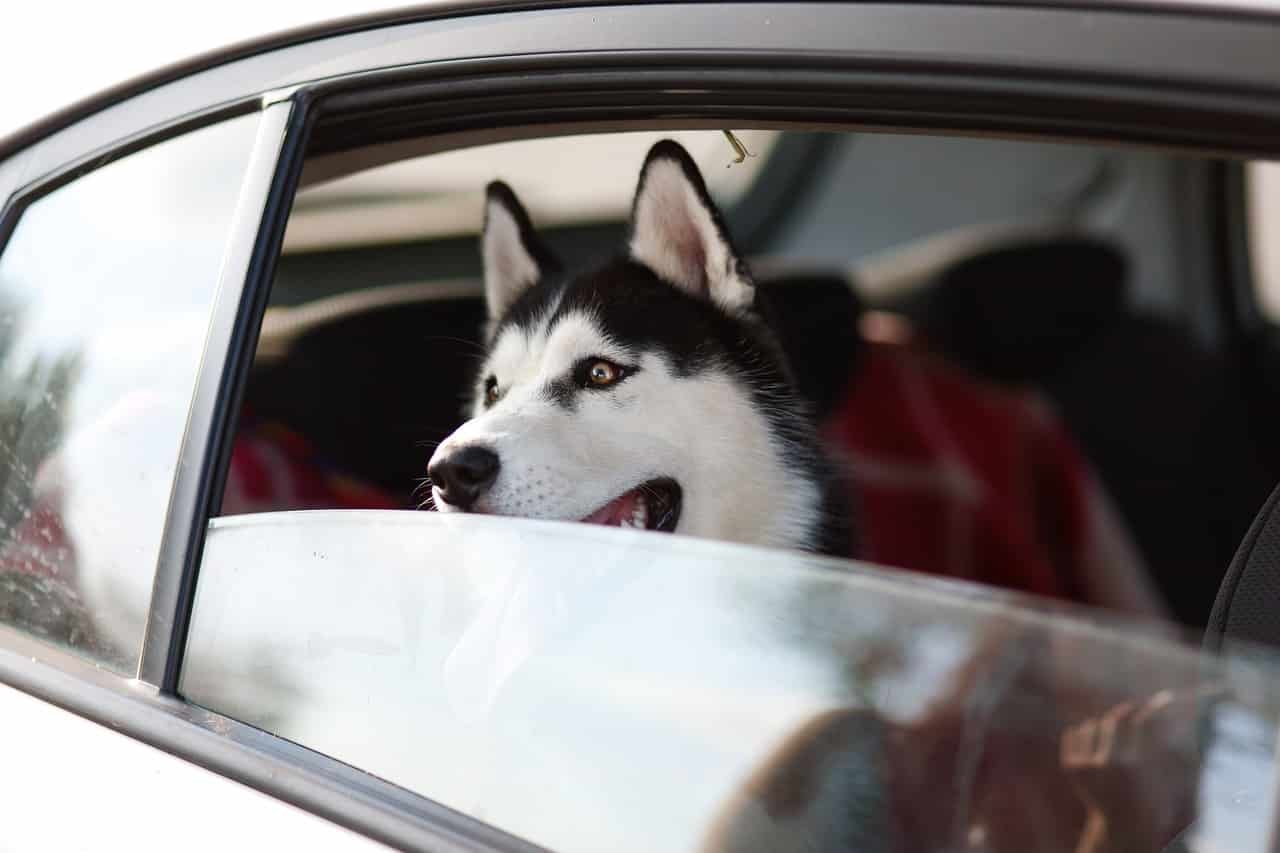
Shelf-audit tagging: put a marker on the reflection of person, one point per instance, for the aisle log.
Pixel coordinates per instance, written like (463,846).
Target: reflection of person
(1120,761)
(1010,760)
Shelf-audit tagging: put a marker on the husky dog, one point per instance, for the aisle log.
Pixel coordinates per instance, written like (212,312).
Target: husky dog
(650,393)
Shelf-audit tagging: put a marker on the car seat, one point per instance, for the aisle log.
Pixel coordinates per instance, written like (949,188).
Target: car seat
(1160,417)
(1247,607)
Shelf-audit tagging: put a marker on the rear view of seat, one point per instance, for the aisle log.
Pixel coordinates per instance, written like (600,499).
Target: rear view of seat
(1247,608)
(950,474)
(1159,416)
(1245,613)
(374,389)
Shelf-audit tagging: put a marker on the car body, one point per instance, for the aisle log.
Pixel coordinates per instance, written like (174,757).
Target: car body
(265,683)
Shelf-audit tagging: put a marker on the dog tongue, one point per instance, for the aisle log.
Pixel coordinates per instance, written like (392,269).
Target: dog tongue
(616,511)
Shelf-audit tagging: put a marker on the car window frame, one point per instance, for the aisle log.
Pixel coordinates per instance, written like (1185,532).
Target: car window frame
(304,78)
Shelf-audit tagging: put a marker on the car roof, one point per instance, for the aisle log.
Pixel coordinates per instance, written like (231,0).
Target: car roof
(307,28)
(40,56)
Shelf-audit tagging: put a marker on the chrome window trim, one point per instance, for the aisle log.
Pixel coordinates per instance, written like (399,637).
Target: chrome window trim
(1123,41)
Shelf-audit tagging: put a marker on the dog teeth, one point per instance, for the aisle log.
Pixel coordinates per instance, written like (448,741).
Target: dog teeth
(639,518)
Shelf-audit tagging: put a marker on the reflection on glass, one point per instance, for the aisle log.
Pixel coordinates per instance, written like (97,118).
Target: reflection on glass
(105,291)
(594,689)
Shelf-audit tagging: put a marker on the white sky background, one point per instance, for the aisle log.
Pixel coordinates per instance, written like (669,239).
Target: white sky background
(53,54)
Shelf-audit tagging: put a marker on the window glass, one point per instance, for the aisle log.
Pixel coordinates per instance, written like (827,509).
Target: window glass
(106,286)
(1262,182)
(594,689)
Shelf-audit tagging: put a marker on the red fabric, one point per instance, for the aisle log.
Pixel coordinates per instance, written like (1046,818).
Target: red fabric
(273,468)
(40,545)
(958,478)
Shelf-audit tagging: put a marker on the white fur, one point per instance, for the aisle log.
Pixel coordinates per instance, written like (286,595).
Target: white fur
(703,431)
(674,234)
(509,268)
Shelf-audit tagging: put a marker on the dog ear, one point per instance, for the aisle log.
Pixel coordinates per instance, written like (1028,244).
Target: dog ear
(514,258)
(677,232)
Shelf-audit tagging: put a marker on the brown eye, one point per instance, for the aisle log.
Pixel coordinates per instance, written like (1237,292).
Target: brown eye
(491,394)
(602,373)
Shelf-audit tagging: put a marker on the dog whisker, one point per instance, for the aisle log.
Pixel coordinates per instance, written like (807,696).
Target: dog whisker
(476,347)
(424,484)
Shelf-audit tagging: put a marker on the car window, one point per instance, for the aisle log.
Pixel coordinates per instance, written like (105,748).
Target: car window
(616,690)
(106,285)
(966,316)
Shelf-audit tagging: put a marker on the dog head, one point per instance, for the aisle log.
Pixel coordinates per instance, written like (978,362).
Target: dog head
(647,393)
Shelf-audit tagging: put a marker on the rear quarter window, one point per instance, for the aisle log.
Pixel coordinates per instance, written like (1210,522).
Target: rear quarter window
(106,286)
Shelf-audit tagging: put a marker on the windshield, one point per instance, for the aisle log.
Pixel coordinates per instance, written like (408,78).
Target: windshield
(594,689)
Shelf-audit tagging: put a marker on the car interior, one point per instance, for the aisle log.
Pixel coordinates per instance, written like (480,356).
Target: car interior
(1022,264)
(1081,307)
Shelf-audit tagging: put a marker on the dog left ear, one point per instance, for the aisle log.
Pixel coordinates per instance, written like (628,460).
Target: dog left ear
(514,258)
(678,233)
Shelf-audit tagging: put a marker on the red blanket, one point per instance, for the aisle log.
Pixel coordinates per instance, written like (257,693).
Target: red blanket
(955,477)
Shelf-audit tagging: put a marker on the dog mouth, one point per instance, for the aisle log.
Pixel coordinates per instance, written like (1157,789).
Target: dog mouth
(654,505)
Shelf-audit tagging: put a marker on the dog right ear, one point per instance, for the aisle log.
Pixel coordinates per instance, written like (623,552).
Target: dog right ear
(514,258)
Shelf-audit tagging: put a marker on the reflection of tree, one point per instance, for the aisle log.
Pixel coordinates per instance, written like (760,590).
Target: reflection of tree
(37,589)
(31,421)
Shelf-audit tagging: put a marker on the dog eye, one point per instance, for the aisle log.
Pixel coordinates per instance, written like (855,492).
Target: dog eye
(491,393)
(602,373)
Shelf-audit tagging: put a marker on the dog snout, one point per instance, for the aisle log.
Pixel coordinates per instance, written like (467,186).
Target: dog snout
(464,474)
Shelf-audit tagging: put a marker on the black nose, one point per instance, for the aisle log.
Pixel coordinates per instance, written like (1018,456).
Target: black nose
(463,475)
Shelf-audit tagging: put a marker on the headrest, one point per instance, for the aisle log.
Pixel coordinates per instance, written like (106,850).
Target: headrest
(816,317)
(372,389)
(1248,603)
(1015,313)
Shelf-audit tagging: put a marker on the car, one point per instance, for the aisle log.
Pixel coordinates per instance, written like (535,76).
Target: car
(1023,259)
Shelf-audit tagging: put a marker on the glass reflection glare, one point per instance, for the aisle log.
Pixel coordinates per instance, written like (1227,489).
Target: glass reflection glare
(598,689)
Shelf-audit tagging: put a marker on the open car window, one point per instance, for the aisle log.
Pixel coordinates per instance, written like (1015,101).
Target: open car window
(589,690)
(945,391)
(966,318)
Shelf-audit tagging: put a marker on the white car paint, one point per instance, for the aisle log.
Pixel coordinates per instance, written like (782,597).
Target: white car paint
(82,786)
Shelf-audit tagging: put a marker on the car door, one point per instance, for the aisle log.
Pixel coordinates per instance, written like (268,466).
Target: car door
(1118,75)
